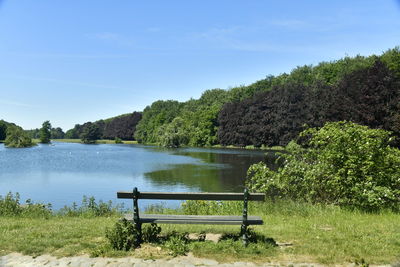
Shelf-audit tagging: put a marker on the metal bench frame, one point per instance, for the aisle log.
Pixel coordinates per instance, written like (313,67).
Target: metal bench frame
(243,220)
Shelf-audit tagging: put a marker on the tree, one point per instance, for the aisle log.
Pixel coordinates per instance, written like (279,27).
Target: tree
(342,163)
(16,137)
(91,134)
(3,130)
(57,133)
(45,133)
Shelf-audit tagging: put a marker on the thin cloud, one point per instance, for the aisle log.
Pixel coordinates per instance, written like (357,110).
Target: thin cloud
(290,24)
(111,37)
(78,83)
(77,56)
(15,103)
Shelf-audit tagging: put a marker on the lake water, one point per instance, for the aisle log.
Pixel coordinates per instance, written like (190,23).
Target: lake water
(63,173)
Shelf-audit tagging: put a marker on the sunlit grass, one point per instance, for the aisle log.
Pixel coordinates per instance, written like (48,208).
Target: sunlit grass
(306,233)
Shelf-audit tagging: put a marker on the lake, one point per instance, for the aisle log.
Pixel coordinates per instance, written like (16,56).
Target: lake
(62,173)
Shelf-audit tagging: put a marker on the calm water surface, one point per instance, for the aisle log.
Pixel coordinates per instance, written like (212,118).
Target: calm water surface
(63,172)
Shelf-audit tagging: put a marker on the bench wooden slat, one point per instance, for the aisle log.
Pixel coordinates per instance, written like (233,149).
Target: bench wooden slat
(192,196)
(195,219)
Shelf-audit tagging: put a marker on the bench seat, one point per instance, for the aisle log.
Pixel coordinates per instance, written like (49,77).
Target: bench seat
(195,219)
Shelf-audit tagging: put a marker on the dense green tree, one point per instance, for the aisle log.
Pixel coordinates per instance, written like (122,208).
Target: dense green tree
(45,132)
(173,134)
(3,130)
(368,96)
(57,133)
(17,137)
(122,127)
(341,163)
(154,116)
(91,134)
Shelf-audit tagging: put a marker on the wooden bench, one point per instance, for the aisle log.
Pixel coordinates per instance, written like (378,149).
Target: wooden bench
(243,220)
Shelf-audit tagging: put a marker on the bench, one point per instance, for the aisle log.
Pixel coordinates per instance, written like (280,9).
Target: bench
(243,220)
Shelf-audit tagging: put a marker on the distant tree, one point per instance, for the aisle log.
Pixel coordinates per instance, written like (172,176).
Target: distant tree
(33,133)
(123,126)
(45,133)
(57,133)
(91,134)
(3,130)
(16,137)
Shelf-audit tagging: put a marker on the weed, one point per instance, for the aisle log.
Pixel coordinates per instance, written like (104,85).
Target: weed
(123,236)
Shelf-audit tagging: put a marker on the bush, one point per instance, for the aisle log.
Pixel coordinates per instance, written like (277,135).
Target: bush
(341,163)
(10,206)
(177,243)
(150,233)
(118,140)
(123,236)
(16,137)
(90,208)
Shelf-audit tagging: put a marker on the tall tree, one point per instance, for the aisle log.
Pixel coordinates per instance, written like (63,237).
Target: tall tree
(16,137)
(91,134)
(45,132)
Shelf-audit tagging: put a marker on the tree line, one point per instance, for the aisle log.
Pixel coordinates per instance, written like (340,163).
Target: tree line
(121,127)
(269,112)
(274,110)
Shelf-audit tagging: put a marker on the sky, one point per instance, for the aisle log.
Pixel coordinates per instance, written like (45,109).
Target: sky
(76,61)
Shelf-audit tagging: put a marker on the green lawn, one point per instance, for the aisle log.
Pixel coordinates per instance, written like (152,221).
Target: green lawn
(307,233)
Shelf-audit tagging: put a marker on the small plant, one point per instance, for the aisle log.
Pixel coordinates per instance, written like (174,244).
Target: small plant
(361,263)
(150,233)
(177,244)
(118,140)
(123,236)
(10,206)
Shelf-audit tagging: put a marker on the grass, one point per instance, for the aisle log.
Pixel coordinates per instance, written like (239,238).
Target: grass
(101,141)
(309,234)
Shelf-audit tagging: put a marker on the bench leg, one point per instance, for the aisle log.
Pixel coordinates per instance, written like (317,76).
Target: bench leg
(138,240)
(243,233)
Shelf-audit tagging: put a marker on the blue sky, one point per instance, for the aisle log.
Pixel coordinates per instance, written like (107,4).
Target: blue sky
(75,61)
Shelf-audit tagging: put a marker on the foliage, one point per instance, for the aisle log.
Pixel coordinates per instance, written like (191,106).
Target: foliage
(3,129)
(91,134)
(90,208)
(177,243)
(368,96)
(122,127)
(150,233)
(45,132)
(57,133)
(341,163)
(10,206)
(123,235)
(16,137)
(173,134)
(155,116)
(118,140)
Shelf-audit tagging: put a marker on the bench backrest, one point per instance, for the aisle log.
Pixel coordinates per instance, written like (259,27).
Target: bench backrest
(191,196)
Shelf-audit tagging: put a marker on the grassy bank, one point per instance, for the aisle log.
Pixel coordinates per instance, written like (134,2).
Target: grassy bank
(303,232)
(101,141)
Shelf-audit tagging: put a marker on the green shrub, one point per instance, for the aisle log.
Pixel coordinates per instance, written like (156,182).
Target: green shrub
(341,163)
(177,243)
(118,140)
(150,233)
(123,236)
(16,137)
(90,208)
(10,206)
